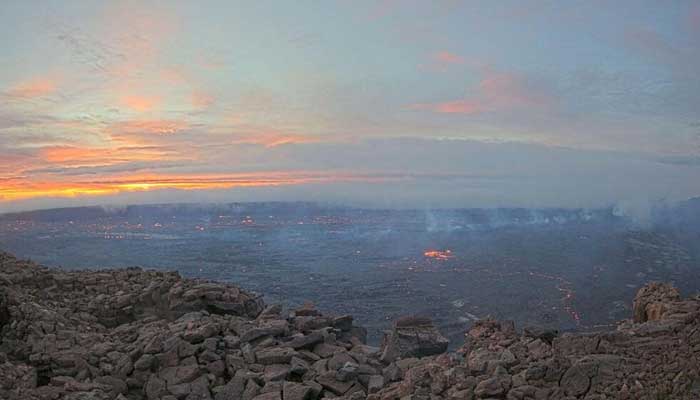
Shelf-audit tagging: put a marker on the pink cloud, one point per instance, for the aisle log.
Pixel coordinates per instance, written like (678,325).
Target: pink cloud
(383,8)
(455,107)
(201,99)
(496,91)
(442,60)
(446,57)
(140,103)
(272,139)
(33,88)
(694,18)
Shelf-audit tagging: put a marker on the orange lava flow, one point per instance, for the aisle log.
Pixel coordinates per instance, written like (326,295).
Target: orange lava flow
(438,254)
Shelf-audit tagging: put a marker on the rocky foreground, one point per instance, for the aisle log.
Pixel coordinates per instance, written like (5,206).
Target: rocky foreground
(134,334)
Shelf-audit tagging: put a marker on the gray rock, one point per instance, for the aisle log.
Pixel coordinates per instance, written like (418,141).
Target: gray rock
(375,384)
(180,391)
(270,328)
(199,389)
(304,341)
(334,385)
(269,396)
(412,337)
(252,389)
(145,362)
(297,391)
(275,355)
(177,375)
(347,372)
(155,388)
(497,385)
(233,389)
(276,372)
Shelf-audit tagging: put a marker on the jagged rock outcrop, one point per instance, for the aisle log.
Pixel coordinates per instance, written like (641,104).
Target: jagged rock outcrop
(656,359)
(653,300)
(144,335)
(412,337)
(134,334)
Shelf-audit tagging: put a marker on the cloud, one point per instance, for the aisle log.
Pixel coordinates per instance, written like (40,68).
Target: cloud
(140,103)
(406,172)
(153,127)
(18,189)
(119,168)
(688,160)
(446,57)
(33,88)
(15,163)
(147,132)
(270,138)
(694,18)
(13,119)
(86,49)
(383,8)
(201,99)
(683,61)
(441,61)
(496,91)
(72,156)
(650,43)
(129,38)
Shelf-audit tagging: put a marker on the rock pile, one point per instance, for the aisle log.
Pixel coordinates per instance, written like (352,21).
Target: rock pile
(655,359)
(134,334)
(144,335)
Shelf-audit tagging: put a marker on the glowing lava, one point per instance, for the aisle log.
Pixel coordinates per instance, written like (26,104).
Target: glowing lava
(439,254)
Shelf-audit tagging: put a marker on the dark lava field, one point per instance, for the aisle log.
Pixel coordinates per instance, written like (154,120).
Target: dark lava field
(566,269)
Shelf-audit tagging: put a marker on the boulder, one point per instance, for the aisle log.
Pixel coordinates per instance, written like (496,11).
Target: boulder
(233,389)
(297,391)
(412,337)
(652,301)
(495,386)
(275,355)
(333,385)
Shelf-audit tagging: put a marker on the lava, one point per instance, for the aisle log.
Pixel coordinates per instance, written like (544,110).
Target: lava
(439,254)
(567,300)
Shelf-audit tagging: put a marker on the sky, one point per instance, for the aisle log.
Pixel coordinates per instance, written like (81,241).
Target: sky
(386,103)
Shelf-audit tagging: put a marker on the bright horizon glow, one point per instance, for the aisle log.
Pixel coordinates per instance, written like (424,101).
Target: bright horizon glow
(383,103)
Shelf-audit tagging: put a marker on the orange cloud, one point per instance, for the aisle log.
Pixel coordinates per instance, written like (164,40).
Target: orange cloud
(140,103)
(73,156)
(13,190)
(62,154)
(33,88)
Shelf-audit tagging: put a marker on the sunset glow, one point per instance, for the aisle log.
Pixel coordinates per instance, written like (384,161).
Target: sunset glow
(18,190)
(472,104)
